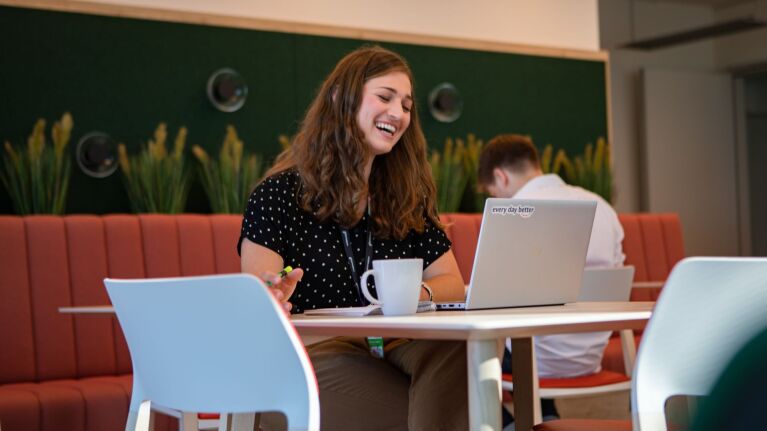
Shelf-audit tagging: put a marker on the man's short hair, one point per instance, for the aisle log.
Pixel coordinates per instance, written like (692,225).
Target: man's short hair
(513,152)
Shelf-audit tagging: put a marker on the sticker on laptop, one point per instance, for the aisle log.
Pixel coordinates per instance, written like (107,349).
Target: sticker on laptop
(524,211)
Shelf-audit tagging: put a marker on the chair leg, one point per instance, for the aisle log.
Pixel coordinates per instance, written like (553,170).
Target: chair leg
(629,349)
(144,419)
(243,422)
(224,421)
(188,422)
(509,407)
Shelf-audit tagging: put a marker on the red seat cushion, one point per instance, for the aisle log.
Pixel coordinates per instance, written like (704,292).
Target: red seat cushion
(91,404)
(612,359)
(601,378)
(584,425)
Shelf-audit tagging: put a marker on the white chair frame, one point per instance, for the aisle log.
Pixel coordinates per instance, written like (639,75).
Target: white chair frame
(253,361)
(709,309)
(628,347)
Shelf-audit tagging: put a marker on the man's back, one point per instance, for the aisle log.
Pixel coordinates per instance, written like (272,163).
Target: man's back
(570,355)
(605,248)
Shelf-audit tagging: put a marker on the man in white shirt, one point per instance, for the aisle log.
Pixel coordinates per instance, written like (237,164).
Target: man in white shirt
(509,167)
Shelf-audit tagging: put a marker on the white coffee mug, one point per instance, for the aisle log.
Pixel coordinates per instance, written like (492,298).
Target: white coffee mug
(398,284)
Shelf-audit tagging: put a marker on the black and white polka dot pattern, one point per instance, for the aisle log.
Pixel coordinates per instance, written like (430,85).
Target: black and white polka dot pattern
(274,219)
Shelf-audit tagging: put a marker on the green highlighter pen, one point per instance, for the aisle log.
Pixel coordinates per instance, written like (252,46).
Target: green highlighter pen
(285,271)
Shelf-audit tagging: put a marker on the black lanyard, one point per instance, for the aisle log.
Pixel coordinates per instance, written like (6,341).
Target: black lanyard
(347,243)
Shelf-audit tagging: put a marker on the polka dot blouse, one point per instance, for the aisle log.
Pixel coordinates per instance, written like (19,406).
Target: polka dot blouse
(275,220)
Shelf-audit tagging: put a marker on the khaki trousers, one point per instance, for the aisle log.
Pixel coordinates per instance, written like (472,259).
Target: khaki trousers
(418,385)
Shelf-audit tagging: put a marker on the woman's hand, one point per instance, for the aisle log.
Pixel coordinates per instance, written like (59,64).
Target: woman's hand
(282,288)
(262,262)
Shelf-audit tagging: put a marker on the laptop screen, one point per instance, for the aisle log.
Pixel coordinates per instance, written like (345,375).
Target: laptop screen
(530,252)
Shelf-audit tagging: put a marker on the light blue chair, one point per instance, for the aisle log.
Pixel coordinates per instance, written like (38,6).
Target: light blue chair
(252,359)
(709,309)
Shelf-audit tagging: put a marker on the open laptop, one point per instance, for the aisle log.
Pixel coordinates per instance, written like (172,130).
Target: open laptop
(606,284)
(529,252)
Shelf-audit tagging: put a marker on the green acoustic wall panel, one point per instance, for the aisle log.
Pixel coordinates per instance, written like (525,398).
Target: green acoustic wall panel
(123,76)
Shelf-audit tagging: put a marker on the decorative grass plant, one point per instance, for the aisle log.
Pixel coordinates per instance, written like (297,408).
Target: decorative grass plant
(157,181)
(229,180)
(553,165)
(455,175)
(284,141)
(471,167)
(591,170)
(450,177)
(37,179)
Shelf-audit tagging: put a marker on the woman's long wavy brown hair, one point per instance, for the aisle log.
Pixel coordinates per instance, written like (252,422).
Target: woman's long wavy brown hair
(330,151)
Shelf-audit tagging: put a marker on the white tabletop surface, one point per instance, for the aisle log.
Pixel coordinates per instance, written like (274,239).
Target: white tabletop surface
(481,329)
(486,324)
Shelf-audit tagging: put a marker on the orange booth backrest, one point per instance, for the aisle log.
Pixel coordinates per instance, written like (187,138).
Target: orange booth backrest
(48,261)
(463,232)
(51,261)
(652,242)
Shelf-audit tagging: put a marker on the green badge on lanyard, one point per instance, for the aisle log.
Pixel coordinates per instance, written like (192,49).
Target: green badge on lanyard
(376,347)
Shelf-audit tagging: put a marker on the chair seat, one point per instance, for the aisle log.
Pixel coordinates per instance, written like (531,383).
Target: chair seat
(584,425)
(601,378)
(613,358)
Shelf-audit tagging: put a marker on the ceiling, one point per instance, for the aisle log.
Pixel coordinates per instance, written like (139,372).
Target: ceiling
(714,3)
(713,29)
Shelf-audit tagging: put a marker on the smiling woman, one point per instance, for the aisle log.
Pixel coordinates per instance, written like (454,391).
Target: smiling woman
(355,186)
(361,140)
(385,111)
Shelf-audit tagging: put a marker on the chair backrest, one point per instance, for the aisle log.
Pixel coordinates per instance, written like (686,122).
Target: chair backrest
(606,284)
(708,310)
(653,243)
(463,232)
(738,397)
(252,360)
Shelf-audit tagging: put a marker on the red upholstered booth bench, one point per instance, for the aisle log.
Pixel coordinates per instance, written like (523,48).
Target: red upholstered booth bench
(73,373)
(652,244)
(59,372)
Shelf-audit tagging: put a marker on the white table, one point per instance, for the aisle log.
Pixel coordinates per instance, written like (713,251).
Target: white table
(481,330)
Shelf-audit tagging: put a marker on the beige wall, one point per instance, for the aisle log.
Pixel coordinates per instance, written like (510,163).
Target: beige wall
(689,156)
(571,24)
(622,21)
(746,48)
(635,135)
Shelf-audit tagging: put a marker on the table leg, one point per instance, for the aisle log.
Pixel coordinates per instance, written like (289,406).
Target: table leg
(130,424)
(527,405)
(243,422)
(484,370)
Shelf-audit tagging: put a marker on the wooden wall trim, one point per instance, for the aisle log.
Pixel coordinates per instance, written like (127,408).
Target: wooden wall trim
(298,28)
